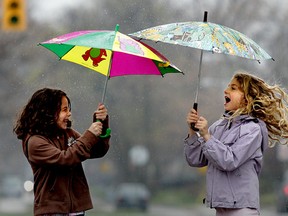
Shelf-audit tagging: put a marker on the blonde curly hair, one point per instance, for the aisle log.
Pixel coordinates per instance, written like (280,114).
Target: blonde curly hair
(268,103)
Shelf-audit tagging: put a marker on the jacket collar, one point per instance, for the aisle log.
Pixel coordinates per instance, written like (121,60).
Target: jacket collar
(237,119)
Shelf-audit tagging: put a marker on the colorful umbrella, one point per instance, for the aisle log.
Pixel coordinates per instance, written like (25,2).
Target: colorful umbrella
(206,36)
(110,53)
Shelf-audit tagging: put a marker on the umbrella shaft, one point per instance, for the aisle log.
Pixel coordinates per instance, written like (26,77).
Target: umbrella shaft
(199,77)
(107,78)
(200,65)
(104,91)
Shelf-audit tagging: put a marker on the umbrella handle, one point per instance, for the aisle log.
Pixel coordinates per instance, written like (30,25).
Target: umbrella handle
(192,125)
(104,134)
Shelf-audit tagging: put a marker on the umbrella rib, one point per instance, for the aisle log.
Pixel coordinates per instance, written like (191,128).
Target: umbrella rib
(66,51)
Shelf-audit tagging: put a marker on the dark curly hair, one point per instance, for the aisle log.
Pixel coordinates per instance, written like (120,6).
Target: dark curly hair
(40,114)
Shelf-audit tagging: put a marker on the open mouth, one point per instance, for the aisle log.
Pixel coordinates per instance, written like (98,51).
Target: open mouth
(68,122)
(227,99)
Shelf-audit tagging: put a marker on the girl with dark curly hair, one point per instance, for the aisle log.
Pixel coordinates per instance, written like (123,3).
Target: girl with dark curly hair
(55,152)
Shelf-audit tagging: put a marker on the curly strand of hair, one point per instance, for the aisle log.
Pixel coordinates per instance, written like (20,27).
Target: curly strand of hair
(268,103)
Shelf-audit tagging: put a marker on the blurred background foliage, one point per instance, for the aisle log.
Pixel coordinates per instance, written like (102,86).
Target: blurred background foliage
(145,111)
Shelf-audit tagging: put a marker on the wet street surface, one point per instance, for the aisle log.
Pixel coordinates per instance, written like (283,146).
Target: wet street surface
(24,204)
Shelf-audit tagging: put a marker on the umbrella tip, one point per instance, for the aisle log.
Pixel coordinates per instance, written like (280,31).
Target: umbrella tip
(205,16)
(116,27)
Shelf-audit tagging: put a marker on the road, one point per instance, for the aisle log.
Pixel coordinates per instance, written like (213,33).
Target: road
(158,210)
(14,205)
(198,211)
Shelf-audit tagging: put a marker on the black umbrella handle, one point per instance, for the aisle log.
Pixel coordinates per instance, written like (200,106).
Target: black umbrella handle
(104,134)
(192,125)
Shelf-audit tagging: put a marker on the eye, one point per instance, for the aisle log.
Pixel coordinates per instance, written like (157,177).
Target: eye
(65,109)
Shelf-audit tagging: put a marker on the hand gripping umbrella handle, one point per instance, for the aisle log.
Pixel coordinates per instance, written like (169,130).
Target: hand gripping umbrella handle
(195,106)
(104,134)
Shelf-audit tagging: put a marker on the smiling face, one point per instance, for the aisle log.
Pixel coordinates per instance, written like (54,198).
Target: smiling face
(64,115)
(234,96)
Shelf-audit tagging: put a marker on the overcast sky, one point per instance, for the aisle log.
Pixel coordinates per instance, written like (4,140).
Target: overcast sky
(53,9)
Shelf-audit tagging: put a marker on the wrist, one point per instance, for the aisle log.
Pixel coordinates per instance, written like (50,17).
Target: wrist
(206,137)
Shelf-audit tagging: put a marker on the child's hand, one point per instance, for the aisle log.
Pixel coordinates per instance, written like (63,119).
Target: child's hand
(101,112)
(96,128)
(202,125)
(192,117)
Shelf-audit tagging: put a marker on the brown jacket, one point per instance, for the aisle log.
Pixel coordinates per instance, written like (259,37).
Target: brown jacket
(60,185)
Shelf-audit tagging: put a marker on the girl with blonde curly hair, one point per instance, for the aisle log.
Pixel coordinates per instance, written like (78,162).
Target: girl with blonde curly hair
(233,147)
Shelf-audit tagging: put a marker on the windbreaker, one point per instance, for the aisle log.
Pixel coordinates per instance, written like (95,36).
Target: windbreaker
(60,185)
(234,156)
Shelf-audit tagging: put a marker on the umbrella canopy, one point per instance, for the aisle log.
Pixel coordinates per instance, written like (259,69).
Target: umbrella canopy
(205,36)
(110,53)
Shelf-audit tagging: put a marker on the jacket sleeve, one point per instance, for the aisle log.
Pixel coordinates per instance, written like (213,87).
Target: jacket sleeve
(42,150)
(193,151)
(229,157)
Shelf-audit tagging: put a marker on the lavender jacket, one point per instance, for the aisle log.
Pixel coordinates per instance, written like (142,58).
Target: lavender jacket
(234,155)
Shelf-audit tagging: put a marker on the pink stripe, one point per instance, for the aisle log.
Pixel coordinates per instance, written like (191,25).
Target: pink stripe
(126,64)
